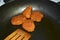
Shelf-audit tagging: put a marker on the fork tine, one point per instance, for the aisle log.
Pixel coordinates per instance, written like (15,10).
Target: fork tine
(11,35)
(15,37)
(22,33)
(18,35)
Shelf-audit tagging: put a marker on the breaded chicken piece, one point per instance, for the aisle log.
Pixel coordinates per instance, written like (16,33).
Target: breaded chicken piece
(27,11)
(17,20)
(36,16)
(28,25)
(18,35)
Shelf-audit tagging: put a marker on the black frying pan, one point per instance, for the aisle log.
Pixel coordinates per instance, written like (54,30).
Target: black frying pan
(47,29)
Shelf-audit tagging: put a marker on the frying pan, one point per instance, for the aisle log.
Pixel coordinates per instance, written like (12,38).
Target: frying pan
(47,29)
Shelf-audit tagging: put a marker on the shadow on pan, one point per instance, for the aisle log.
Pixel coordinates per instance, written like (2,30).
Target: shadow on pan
(47,29)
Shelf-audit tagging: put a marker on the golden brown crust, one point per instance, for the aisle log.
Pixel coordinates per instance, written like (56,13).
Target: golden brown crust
(36,16)
(27,11)
(17,20)
(28,25)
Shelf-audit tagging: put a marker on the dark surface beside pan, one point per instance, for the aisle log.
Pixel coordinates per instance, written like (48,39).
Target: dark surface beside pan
(46,30)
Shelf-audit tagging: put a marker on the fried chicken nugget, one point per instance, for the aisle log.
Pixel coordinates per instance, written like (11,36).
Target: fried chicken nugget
(17,20)
(27,11)
(36,16)
(28,25)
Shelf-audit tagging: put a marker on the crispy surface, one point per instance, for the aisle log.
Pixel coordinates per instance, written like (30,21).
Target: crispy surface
(27,11)
(28,25)
(36,16)
(27,19)
(17,20)
(18,35)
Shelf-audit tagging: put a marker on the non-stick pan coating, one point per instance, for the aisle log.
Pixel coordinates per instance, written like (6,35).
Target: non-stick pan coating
(47,29)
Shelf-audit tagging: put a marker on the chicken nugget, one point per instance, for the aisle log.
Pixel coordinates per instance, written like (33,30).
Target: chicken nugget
(17,20)
(36,16)
(28,25)
(27,11)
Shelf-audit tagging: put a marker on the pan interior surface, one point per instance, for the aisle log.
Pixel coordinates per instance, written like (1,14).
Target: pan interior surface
(47,29)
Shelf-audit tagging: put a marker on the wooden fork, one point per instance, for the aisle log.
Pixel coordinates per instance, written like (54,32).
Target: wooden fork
(18,35)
